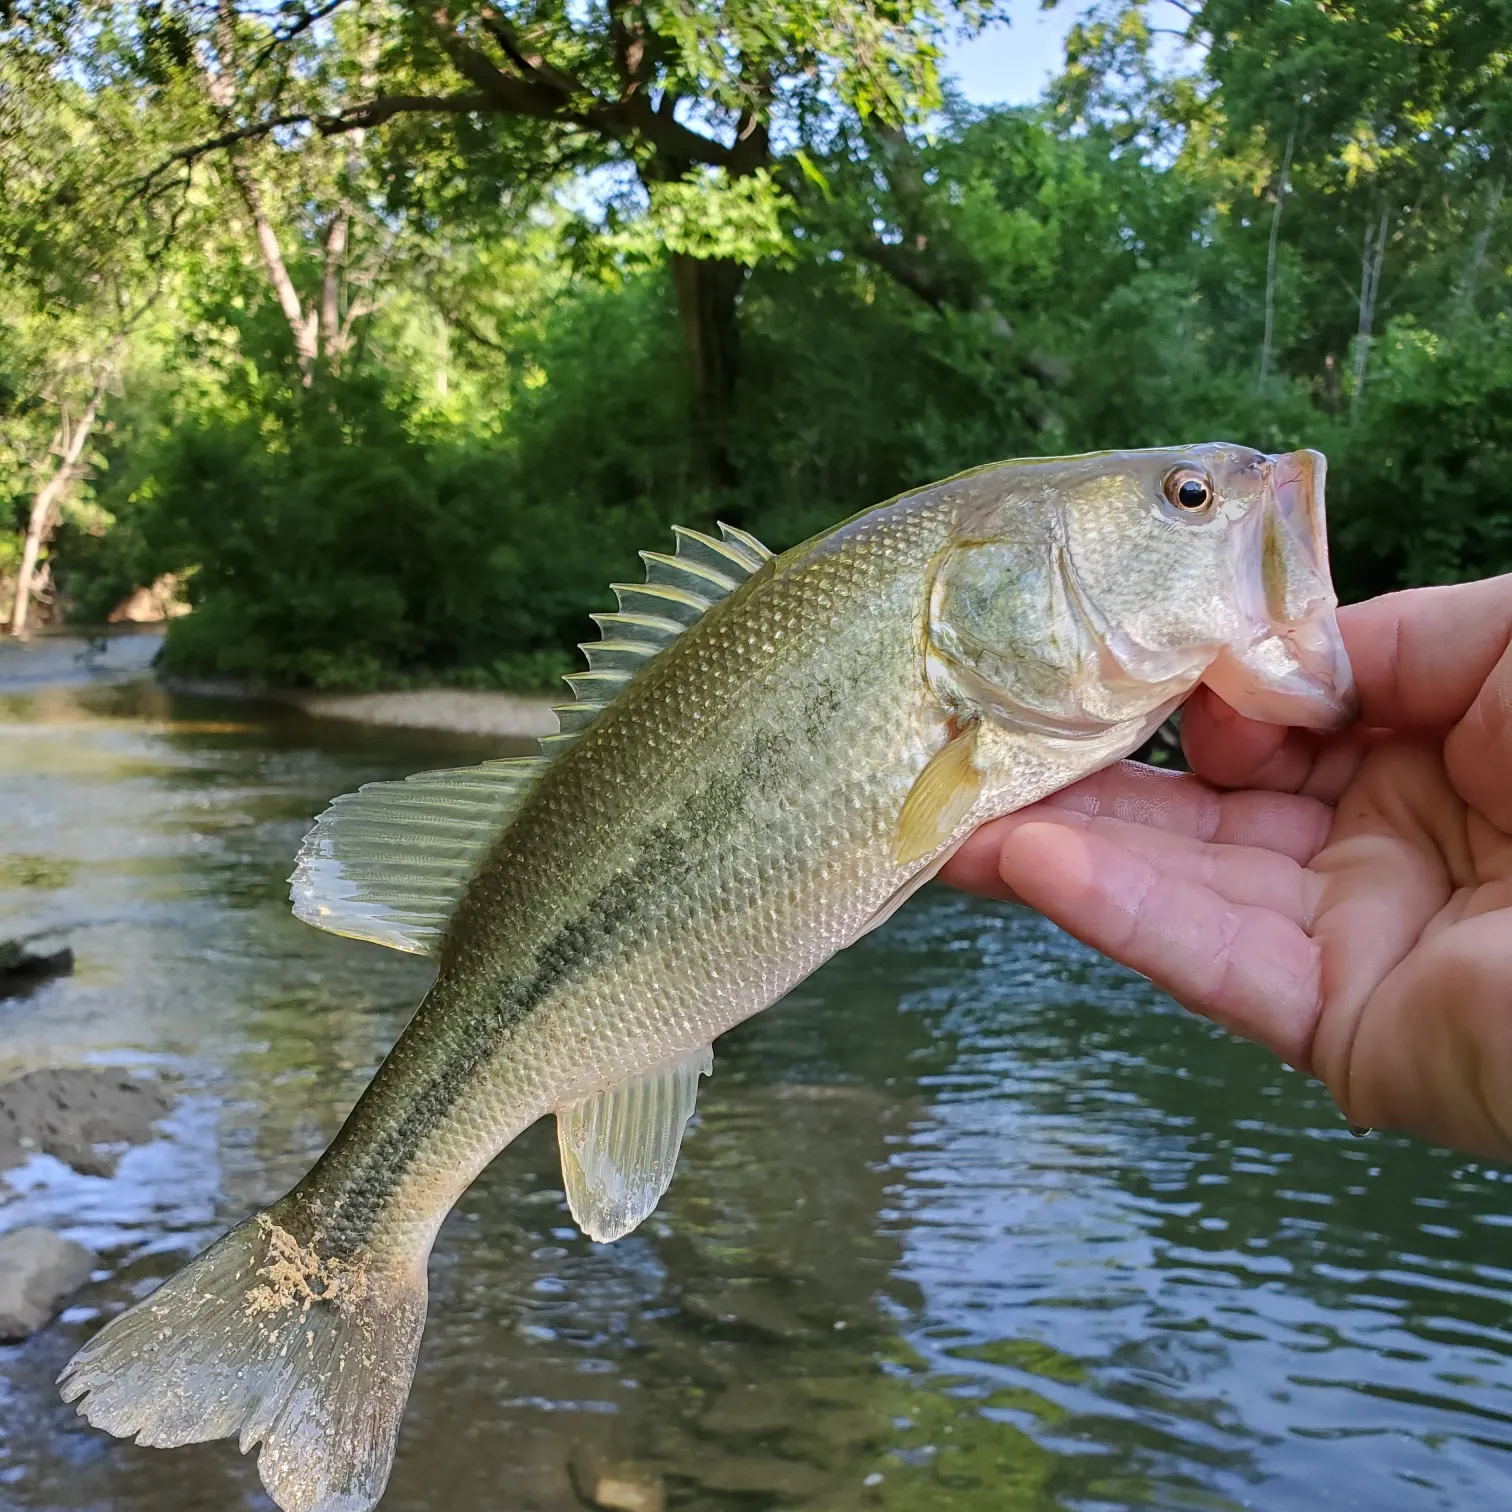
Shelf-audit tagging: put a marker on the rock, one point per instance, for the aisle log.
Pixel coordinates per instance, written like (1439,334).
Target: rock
(614,1485)
(754,1305)
(603,1478)
(38,1270)
(624,1488)
(756,1410)
(67,1113)
(21,970)
(162,600)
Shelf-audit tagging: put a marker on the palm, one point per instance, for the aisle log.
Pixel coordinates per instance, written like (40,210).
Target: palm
(1347,902)
(1407,889)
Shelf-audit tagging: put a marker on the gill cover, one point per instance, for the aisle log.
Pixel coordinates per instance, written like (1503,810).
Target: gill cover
(1015,634)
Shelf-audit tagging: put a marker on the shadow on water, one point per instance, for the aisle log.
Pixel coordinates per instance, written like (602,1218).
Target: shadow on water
(971,1221)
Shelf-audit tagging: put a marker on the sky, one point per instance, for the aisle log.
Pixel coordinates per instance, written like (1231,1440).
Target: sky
(1012,64)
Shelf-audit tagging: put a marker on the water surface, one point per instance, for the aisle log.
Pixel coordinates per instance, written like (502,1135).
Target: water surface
(973,1220)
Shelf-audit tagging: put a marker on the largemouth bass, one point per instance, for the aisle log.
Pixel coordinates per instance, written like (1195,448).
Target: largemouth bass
(767,756)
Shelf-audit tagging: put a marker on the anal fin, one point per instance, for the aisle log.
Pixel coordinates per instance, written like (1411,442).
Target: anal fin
(619,1147)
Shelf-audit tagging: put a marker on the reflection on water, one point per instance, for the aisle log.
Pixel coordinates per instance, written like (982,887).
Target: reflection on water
(971,1221)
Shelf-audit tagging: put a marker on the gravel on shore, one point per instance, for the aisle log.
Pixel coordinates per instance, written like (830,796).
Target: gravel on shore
(511,715)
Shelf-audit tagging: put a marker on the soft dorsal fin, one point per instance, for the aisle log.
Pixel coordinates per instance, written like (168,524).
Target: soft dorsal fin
(620,1146)
(388,862)
(679,590)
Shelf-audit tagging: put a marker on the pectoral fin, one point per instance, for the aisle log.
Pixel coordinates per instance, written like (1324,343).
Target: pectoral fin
(941,797)
(620,1146)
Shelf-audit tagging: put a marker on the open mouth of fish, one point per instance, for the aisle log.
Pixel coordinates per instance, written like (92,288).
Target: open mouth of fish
(1296,671)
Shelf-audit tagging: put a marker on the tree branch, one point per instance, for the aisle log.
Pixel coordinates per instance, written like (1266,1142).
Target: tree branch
(353,118)
(39,520)
(472,332)
(304,324)
(549,97)
(548,101)
(297,28)
(532,64)
(905,267)
(636,49)
(331,325)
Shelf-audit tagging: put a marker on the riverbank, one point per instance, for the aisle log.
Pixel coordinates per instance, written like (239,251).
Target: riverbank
(508,715)
(128,654)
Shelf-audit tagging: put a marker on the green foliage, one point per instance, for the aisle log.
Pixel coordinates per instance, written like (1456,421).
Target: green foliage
(486,381)
(332,542)
(1422,484)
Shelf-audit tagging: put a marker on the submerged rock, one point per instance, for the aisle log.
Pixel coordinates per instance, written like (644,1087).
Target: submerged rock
(615,1485)
(626,1488)
(38,1271)
(69,1113)
(21,969)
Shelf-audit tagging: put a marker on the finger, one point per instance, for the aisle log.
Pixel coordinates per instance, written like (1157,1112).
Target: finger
(1231,751)
(1478,753)
(1246,967)
(1242,874)
(1421,657)
(1434,1055)
(974,867)
(1185,805)
(1141,795)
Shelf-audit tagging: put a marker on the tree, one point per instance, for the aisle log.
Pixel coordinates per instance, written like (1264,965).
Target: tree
(82,265)
(700,102)
(1384,124)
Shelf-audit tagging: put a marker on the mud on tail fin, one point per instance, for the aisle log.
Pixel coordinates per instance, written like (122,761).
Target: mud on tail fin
(263,1340)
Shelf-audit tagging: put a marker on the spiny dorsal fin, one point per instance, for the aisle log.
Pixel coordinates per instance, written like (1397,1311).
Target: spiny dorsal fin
(388,862)
(619,1147)
(679,590)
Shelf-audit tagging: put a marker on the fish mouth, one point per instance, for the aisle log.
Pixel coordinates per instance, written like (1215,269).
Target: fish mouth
(1295,669)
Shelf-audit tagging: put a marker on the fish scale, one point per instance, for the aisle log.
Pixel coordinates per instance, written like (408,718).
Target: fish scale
(765,758)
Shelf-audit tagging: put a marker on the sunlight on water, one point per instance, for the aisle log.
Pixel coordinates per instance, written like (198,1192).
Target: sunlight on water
(971,1221)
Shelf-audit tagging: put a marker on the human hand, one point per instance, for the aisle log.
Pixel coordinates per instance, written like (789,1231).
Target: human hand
(1345,900)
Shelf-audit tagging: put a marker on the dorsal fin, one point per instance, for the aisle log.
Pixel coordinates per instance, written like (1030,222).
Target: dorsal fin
(679,590)
(388,862)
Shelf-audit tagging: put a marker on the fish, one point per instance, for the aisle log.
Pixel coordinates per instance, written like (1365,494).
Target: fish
(765,757)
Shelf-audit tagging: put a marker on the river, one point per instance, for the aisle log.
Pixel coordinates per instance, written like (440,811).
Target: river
(972,1220)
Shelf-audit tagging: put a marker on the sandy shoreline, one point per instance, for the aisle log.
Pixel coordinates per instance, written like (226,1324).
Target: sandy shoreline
(461,711)
(128,655)
(512,715)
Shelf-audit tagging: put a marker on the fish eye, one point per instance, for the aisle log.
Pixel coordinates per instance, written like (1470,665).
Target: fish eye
(1189,490)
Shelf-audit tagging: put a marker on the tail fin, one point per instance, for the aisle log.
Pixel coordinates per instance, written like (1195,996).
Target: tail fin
(262,1339)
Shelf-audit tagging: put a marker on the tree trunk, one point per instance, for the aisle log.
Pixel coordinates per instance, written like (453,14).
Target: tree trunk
(48,496)
(304,325)
(332,330)
(1371,261)
(708,297)
(1482,242)
(1270,262)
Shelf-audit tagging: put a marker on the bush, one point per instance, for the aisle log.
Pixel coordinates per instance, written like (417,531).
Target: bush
(1422,488)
